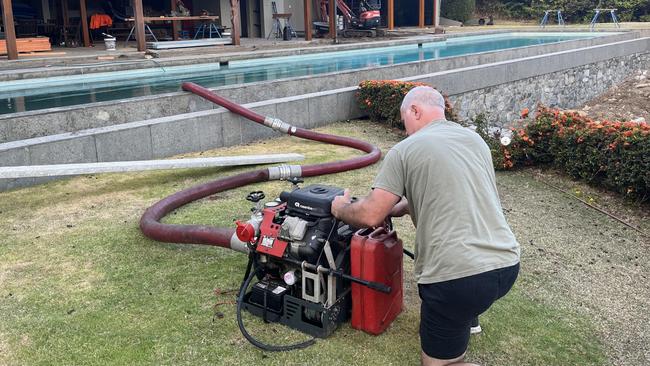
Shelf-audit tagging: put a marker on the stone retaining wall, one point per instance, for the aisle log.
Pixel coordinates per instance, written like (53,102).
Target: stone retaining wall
(567,89)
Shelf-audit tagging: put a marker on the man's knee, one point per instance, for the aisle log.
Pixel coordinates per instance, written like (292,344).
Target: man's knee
(430,361)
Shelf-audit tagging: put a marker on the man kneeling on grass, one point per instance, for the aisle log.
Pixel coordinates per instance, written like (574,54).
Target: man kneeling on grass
(466,256)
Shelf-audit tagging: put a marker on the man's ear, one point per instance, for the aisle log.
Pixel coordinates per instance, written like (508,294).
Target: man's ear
(416,111)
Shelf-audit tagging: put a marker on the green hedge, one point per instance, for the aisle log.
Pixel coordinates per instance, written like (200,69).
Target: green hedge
(382,99)
(614,155)
(460,10)
(574,10)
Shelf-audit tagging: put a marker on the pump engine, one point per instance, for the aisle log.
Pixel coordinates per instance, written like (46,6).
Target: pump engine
(301,257)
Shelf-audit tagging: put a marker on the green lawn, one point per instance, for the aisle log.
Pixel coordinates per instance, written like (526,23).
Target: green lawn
(79,283)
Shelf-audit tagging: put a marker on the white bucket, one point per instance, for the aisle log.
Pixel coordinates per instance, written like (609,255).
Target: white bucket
(110,44)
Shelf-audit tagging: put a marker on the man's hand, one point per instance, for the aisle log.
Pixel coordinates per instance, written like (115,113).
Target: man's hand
(340,202)
(369,211)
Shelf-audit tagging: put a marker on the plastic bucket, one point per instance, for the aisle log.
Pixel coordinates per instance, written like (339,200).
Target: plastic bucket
(110,44)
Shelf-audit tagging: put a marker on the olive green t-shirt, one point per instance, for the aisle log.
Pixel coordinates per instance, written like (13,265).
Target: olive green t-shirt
(445,171)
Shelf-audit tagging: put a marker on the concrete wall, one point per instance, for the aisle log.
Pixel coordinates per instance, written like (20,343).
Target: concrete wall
(224,17)
(67,119)
(563,79)
(297,8)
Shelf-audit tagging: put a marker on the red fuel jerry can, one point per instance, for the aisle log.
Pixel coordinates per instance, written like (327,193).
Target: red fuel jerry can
(376,255)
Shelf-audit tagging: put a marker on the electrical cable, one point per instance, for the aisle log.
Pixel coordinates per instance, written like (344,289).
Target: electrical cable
(248,336)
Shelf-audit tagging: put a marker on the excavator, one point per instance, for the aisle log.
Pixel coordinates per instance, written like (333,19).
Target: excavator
(363,21)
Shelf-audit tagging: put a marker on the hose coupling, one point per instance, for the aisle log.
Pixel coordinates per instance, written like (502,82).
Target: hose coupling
(278,125)
(284,171)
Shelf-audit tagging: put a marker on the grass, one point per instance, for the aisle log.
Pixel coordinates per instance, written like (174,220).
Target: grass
(79,283)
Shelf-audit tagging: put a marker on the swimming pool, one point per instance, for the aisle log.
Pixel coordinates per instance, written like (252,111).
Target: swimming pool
(36,94)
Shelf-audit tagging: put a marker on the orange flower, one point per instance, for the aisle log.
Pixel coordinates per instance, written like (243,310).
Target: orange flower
(524,113)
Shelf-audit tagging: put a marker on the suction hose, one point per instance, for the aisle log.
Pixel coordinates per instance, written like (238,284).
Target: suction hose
(225,237)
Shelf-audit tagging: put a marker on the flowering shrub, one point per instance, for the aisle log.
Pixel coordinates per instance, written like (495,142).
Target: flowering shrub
(615,155)
(382,99)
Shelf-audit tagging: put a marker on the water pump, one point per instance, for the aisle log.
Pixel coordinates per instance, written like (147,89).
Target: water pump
(301,262)
(310,271)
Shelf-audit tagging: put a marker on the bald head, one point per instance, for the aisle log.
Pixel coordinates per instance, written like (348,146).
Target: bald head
(420,106)
(425,96)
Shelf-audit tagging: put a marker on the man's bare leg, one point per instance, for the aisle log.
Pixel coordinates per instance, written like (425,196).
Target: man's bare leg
(458,361)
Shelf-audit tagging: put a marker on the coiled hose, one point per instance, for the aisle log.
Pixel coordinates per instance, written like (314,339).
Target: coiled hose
(225,237)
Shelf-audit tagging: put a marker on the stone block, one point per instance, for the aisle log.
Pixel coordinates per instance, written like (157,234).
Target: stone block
(347,106)
(179,103)
(124,144)
(196,103)
(256,92)
(232,127)
(210,129)
(294,111)
(175,137)
(97,116)
(35,126)
(251,131)
(14,157)
(4,131)
(71,150)
(142,109)
(322,109)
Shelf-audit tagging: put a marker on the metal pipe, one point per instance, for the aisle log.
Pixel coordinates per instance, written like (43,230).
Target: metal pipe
(225,237)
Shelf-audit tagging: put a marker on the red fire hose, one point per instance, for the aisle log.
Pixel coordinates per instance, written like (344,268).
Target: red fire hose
(224,237)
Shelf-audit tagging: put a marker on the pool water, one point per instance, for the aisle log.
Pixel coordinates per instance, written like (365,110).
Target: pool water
(35,94)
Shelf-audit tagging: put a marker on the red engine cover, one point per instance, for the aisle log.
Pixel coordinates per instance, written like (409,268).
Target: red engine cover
(268,242)
(370,14)
(376,256)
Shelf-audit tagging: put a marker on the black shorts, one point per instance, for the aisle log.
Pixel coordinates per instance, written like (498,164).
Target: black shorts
(449,307)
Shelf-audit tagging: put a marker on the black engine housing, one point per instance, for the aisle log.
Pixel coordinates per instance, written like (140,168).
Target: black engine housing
(313,201)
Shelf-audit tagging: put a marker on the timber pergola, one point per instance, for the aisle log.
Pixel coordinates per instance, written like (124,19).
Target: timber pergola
(12,51)
(10,30)
(421,19)
(235,20)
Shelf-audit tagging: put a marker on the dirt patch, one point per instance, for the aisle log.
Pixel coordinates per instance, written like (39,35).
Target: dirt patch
(627,101)
(582,260)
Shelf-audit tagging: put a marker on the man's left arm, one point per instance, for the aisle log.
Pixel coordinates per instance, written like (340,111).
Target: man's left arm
(369,211)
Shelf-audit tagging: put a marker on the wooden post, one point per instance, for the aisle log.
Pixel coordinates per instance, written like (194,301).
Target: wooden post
(66,22)
(307,20)
(175,23)
(84,22)
(10,30)
(421,15)
(436,16)
(139,25)
(236,24)
(391,14)
(331,11)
